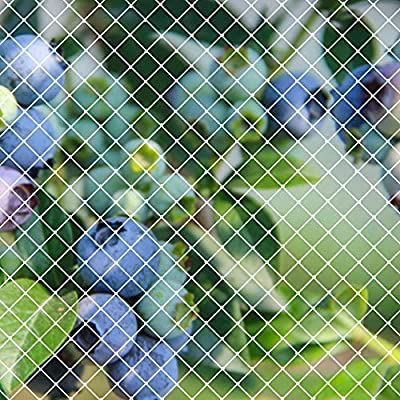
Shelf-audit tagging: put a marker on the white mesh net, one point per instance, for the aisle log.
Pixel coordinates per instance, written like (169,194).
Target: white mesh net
(199,200)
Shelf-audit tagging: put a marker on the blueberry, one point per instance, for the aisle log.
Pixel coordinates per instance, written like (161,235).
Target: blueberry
(29,143)
(100,184)
(391,176)
(165,311)
(238,73)
(144,161)
(221,138)
(295,103)
(213,126)
(348,100)
(248,118)
(381,99)
(192,139)
(192,97)
(170,267)
(131,203)
(17,199)
(118,255)
(118,125)
(58,377)
(149,369)
(32,68)
(105,328)
(215,119)
(365,109)
(138,163)
(100,96)
(172,197)
(8,107)
(84,141)
(180,343)
(395,52)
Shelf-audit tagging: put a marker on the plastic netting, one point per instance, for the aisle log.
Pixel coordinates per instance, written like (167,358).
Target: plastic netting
(207,207)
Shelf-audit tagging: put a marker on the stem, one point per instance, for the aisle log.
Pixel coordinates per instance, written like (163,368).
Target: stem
(302,35)
(381,346)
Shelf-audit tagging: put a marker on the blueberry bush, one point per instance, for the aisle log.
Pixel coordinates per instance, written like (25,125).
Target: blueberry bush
(139,249)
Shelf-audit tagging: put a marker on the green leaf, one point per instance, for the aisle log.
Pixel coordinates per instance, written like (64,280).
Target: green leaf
(3,394)
(390,385)
(246,273)
(46,241)
(10,262)
(33,325)
(298,326)
(271,169)
(244,226)
(343,38)
(58,229)
(334,5)
(350,304)
(356,381)
(309,321)
(222,341)
(2,275)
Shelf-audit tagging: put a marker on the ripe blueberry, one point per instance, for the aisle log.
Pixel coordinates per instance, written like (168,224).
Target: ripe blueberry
(382,99)
(348,100)
(118,255)
(295,103)
(149,369)
(31,68)
(365,109)
(29,143)
(105,329)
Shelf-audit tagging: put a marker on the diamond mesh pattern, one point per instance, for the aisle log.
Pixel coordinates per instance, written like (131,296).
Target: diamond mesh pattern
(272,321)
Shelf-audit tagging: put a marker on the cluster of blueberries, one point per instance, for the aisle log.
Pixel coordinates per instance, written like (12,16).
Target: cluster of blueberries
(367,112)
(122,256)
(32,73)
(138,315)
(35,73)
(232,97)
(137,318)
